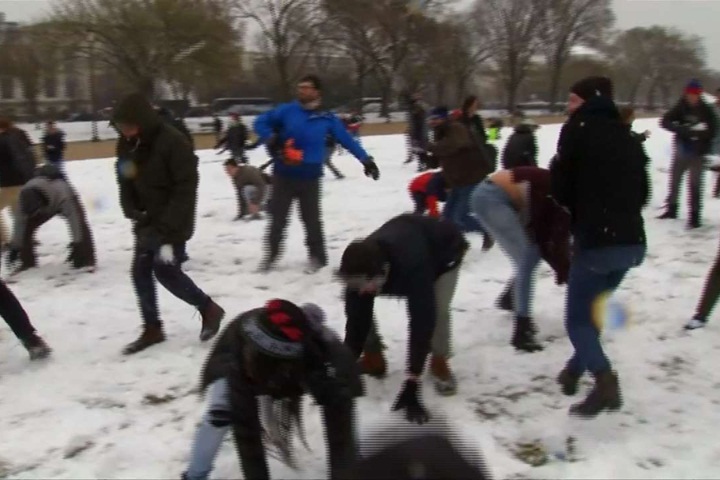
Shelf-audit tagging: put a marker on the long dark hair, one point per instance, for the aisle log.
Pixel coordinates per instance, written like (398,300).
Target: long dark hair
(469,100)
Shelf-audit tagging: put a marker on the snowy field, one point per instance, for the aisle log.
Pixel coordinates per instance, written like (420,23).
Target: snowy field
(92,413)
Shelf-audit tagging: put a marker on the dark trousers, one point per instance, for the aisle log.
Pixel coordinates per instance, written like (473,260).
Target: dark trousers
(592,273)
(687,162)
(418,199)
(307,192)
(14,315)
(457,209)
(241,203)
(145,265)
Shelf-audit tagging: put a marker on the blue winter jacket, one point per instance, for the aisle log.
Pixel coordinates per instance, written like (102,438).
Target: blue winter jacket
(309,129)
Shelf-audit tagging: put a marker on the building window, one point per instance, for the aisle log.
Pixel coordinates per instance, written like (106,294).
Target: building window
(7,87)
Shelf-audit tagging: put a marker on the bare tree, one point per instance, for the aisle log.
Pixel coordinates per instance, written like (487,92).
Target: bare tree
(512,29)
(288,32)
(566,24)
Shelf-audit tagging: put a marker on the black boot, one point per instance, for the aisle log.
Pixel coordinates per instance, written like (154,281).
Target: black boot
(568,381)
(694,221)
(36,347)
(605,395)
(505,300)
(212,314)
(671,212)
(152,334)
(524,336)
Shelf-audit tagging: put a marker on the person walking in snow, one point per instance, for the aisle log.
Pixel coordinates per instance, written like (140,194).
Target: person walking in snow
(17,319)
(235,139)
(418,258)
(251,188)
(600,176)
(521,149)
(255,379)
(296,133)
(53,144)
(157,174)
(515,206)
(43,197)
(694,124)
(417,132)
(426,190)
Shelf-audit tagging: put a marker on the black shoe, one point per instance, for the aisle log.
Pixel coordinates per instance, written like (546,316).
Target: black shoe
(605,395)
(212,315)
(671,212)
(36,347)
(568,381)
(151,335)
(524,336)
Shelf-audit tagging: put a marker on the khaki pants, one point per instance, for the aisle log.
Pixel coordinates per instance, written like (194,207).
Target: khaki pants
(8,198)
(442,337)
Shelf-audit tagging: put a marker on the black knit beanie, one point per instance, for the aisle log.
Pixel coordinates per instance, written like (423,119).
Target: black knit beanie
(593,86)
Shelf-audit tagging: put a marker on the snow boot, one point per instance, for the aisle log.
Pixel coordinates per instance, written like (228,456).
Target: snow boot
(152,334)
(671,212)
(694,221)
(524,335)
(36,347)
(568,381)
(605,395)
(373,364)
(443,378)
(505,300)
(212,314)
(695,323)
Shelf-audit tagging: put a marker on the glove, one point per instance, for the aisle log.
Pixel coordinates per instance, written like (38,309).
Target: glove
(409,402)
(292,155)
(371,169)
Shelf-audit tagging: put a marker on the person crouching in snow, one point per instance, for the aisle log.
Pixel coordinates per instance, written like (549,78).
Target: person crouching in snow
(426,190)
(251,188)
(521,148)
(418,258)
(516,208)
(255,378)
(43,197)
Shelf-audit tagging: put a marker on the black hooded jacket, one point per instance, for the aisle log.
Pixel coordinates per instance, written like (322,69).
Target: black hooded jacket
(335,393)
(683,117)
(177,123)
(600,176)
(157,174)
(521,148)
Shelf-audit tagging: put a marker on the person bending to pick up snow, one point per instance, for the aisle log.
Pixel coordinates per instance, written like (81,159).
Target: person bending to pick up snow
(255,378)
(157,174)
(418,258)
(43,197)
(251,188)
(426,190)
(516,208)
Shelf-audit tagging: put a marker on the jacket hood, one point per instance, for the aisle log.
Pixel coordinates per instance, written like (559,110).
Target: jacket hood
(599,106)
(135,109)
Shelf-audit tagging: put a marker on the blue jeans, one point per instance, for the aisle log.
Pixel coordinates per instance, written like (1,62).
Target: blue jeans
(209,437)
(457,209)
(492,206)
(593,272)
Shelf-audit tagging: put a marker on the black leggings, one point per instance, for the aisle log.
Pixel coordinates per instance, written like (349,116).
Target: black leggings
(14,315)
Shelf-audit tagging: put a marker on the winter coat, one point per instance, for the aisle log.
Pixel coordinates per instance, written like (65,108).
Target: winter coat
(17,159)
(249,175)
(157,174)
(683,117)
(600,175)
(463,161)
(62,200)
(336,395)
(178,124)
(521,148)
(477,127)
(54,146)
(419,250)
(309,130)
(235,138)
(549,225)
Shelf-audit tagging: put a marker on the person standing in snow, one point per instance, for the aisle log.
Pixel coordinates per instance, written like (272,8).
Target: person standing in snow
(255,378)
(515,206)
(418,258)
(17,319)
(43,197)
(694,124)
(53,143)
(17,163)
(521,149)
(251,188)
(157,174)
(426,190)
(600,176)
(297,136)
(417,133)
(235,139)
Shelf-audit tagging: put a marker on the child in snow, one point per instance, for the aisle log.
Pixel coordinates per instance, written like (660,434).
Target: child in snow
(255,378)
(426,190)
(521,148)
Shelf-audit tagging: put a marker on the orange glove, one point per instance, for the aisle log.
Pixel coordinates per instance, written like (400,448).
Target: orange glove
(292,155)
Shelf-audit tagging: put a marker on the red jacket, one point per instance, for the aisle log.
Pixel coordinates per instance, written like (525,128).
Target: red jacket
(549,223)
(419,184)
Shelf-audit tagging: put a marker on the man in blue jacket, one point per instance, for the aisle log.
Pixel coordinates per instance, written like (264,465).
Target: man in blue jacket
(296,134)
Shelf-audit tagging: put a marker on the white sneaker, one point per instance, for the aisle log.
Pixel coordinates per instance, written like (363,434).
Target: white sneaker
(694,324)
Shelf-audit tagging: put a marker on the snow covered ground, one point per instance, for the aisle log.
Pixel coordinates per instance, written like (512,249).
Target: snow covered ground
(92,413)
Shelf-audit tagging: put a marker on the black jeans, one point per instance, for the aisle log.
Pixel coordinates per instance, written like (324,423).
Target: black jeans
(307,192)
(419,199)
(14,315)
(145,265)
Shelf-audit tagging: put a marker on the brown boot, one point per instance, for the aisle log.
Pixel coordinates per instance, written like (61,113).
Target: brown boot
(151,335)
(212,315)
(373,364)
(605,395)
(445,383)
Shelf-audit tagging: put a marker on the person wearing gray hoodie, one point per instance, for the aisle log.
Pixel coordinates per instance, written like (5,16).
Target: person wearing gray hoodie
(43,197)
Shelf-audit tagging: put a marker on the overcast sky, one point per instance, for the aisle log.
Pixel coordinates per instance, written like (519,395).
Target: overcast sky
(701,17)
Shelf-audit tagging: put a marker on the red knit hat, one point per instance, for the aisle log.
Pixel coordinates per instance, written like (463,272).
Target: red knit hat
(694,87)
